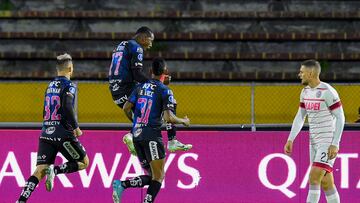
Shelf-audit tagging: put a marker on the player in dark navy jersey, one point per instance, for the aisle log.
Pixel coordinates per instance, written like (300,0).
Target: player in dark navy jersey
(151,100)
(126,65)
(59,132)
(126,71)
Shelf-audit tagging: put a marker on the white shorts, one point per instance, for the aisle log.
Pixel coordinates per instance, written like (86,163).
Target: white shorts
(319,157)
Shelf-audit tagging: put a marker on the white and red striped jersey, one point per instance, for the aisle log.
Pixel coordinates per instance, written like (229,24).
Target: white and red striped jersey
(318,103)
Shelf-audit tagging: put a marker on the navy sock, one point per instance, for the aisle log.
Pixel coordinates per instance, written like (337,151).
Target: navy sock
(30,186)
(171,131)
(152,191)
(68,167)
(139,181)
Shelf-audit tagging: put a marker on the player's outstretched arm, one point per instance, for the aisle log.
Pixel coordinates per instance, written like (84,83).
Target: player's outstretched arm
(171,118)
(127,109)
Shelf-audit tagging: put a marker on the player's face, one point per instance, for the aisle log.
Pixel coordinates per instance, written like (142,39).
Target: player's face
(304,75)
(71,68)
(147,41)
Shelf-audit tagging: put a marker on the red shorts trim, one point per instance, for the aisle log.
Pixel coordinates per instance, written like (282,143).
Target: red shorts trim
(326,167)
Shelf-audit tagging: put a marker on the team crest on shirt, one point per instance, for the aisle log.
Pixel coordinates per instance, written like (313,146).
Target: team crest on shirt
(50,130)
(318,94)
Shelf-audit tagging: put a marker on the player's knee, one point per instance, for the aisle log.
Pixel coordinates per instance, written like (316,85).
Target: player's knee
(326,185)
(40,171)
(158,176)
(314,179)
(85,162)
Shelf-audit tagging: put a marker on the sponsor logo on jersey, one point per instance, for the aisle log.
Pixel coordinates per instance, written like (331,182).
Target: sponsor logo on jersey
(52,123)
(312,106)
(140,57)
(121,100)
(171,99)
(51,138)
(50,130)
(139,50)
(115,87)
(72,90)
(54,83)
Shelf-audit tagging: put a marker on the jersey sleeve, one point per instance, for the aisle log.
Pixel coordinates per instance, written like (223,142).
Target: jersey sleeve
(68,105)
(299,119)
(302,103)
(332,99)
(70,89)
(168,100)
(137,57)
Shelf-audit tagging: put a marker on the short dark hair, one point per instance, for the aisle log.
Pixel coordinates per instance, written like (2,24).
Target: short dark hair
(144,30)
(311,63)
(158,66)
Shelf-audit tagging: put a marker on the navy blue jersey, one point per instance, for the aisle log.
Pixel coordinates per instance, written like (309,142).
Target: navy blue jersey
(127,56)
(54,113)
(150,100)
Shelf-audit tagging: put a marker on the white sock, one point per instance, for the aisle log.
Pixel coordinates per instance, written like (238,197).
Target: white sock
(332,196)
(313,194)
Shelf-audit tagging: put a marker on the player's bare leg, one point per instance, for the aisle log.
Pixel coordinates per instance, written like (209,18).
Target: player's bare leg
(32,182)
(316,175)
(68,167)
(327,184)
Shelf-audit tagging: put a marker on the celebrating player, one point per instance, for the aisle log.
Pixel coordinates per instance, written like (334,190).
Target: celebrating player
(59,132)
(151,100)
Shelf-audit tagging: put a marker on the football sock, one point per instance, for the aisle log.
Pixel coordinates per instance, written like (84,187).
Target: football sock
(332,196)
(313,194)
(139,181)
(30,186)
(152,191)
(68,167)
(171,131)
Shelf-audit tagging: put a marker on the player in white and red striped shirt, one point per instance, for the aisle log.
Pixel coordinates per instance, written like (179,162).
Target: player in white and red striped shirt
(321,104)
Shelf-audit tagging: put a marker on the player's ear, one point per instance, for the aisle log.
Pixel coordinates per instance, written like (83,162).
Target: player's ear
(70,67)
